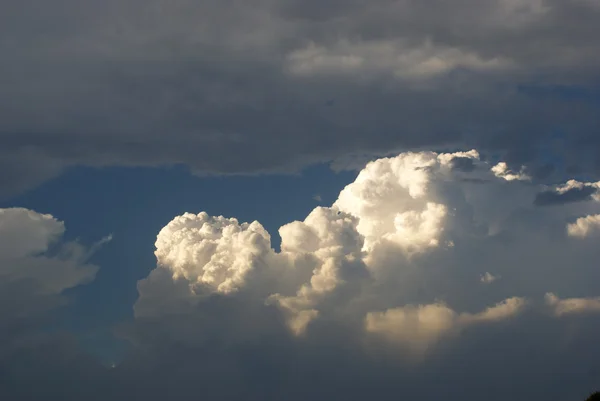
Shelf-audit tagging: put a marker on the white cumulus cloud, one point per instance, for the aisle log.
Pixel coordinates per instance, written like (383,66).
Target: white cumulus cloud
(394,201)
(380,290)
(398,253)
(501,170)
(211,252)
(584,226)
(331,241)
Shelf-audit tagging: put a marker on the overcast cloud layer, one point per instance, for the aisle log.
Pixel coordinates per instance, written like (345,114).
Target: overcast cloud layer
(422,280)
(272,85)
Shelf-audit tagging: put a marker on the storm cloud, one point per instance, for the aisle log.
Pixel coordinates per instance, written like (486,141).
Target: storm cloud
(231,87)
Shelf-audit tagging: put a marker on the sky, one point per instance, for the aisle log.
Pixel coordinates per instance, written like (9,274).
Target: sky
(266,200)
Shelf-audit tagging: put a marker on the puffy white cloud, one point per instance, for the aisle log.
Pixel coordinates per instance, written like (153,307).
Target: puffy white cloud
(501,170)
(307,322)
(414,229)
(584,226)
(211,252)
(400,256)
(333,244)
(448,158)
(394,201)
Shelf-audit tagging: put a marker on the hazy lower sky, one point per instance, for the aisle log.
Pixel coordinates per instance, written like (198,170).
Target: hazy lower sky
(291,200)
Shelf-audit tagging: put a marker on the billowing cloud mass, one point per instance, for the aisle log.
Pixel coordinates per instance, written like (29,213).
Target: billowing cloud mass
(264,85)
(211,252)
(380,295)
(413,220)
(391,272)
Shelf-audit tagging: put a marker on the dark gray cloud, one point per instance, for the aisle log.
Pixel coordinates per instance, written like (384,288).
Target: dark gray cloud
(239,87)
(465,164)
(576,194)
(335,364)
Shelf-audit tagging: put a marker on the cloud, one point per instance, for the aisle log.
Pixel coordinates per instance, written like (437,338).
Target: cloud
(501,170)
(256,96)
(584,226)
(30,251)
(462,163)
(570,306)
(377,295)
(417,326)
(389,197)
(399,60)
(488,278)
(571,191)
(211,252)
(401,239)
(334,245)
(421,326)
(37,267)
(199,256)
